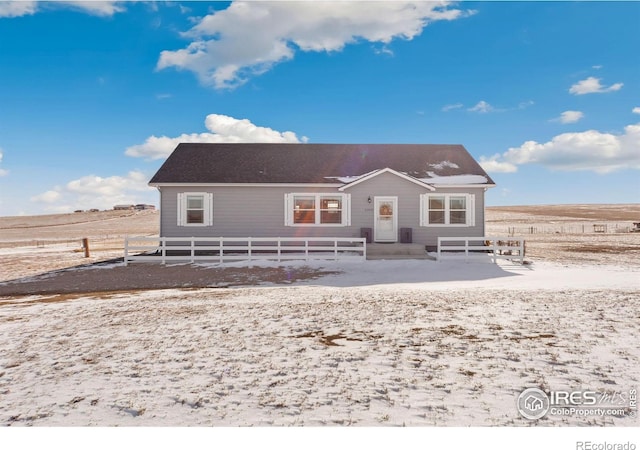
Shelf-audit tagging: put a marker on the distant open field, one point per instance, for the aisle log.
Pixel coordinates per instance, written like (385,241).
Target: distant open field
(104,225)
(609,213)
(567,233)
(31,245)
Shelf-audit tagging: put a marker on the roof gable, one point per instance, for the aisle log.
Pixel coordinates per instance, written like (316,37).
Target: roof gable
(311,163)
(371,175)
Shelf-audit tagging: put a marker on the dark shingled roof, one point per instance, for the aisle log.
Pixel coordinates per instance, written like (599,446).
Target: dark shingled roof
(309,163)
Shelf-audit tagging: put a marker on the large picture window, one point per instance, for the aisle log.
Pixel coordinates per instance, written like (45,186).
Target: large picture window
(195,209)
(316,209)
(447,210)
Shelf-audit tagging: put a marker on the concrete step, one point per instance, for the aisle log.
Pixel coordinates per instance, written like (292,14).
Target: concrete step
(396,251)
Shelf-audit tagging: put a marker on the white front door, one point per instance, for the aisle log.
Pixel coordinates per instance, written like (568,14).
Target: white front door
(386,219)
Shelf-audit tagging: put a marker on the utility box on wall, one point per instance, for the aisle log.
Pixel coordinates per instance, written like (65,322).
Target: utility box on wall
(367,233)
(406,235)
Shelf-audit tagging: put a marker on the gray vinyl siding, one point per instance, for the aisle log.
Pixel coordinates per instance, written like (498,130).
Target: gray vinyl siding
(260,211)
(243,212)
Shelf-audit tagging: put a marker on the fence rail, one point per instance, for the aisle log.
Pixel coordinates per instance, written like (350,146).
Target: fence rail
(469,247)
(221,249)
(568,228)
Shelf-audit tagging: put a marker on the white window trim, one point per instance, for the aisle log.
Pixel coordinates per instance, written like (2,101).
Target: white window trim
(208,209)
(289,202)
(470,210)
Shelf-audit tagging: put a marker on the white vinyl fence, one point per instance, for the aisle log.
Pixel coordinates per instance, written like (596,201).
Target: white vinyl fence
(466,248)
(220,249)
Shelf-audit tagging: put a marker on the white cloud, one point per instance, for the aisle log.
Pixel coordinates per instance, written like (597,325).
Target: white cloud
(23,8)
(636,110)
(482,107)
(597,67)
(248,38)
(96,8)
(588,150)
(384,50)
(492,165)
(569,117)
(451,107)
(92,191)
(110,186)
(46,197)
(222,129)
(592,85)
(3,172)
(17,8)
(526,104)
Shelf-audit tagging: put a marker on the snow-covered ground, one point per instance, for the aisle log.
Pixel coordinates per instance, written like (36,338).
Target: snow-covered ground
(382,343)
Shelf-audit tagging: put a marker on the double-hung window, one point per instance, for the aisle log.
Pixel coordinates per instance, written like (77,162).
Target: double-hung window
(331,210)
(195,209)
(317,209)
(447,210)
(304,210)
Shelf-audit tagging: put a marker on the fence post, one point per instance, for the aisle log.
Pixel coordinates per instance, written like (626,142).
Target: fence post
(163,247)
(221,250)
(126,250)
(466,250)
(85,246)
(249,248)
(279,249)
(494,246)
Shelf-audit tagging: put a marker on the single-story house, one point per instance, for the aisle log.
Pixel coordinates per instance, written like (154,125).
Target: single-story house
(384,192)
(123,207)
(144,207)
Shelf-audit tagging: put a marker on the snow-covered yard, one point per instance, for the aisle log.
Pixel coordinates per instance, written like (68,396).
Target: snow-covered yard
(382,343)
(378,343)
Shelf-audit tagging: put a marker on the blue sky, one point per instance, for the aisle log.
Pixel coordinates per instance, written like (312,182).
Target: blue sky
(94,95)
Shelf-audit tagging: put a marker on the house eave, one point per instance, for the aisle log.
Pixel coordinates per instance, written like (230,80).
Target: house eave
(463,186)
(339,186)
(261,185)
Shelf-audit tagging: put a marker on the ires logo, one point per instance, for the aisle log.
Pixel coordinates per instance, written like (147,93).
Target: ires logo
(533,403)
